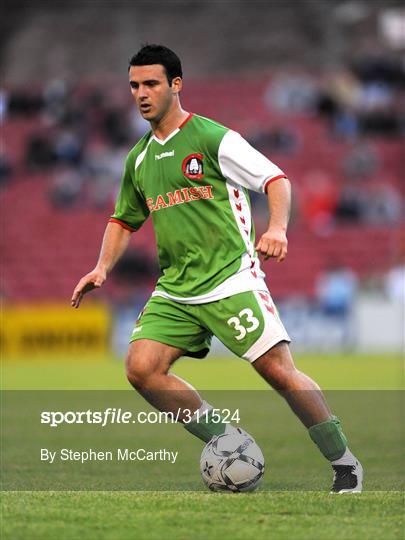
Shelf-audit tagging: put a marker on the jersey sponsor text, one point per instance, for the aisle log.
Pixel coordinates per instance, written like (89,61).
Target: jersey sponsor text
(180,196)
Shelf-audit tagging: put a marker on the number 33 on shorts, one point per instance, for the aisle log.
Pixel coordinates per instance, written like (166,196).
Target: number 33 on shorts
(241,327)
(250,324)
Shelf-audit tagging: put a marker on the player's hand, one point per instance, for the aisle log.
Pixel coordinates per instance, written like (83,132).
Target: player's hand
(273,243)
(92,280)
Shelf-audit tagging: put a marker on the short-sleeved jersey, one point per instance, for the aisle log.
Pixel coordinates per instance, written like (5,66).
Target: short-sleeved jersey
(194,185)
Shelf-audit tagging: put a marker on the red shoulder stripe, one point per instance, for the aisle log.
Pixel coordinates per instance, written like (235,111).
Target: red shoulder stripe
(123,225)
(186,120)
(270,180)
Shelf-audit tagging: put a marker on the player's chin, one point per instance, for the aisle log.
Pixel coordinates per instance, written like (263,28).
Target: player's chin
(147,114)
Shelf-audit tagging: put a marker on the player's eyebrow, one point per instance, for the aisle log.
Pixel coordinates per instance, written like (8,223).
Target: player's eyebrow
(148,82)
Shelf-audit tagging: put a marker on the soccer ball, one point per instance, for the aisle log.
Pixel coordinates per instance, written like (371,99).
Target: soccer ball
(232,462)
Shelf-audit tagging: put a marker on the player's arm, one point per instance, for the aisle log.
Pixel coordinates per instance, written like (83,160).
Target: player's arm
(245,166)
(114,244)
(130,213)
(273,243)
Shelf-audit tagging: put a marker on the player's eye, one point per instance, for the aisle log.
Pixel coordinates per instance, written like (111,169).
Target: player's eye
(134,85)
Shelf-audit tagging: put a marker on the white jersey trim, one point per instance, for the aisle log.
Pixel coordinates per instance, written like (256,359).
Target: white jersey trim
(164,141)
(243,218)
(242,281)
(141,156)
(241,212)
(244,165)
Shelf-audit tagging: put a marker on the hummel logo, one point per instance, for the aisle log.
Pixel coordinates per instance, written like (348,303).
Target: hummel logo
(164,154)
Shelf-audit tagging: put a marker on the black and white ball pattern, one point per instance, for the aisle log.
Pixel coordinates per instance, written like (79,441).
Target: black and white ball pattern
(232,462)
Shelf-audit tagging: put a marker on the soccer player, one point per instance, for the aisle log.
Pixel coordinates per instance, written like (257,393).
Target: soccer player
(191,175)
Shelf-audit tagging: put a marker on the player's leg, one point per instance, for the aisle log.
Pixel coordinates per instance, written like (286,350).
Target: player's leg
(303,395)
(305,398)
(147,364)
(248,323)
(164,331)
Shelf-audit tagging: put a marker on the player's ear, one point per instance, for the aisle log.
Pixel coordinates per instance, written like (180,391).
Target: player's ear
(177,85)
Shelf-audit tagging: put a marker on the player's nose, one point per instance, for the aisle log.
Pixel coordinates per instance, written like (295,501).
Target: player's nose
(142,93)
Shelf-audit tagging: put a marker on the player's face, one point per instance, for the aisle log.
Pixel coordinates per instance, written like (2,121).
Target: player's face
(151,91)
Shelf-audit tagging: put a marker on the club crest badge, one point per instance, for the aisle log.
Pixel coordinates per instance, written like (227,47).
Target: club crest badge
(192,166)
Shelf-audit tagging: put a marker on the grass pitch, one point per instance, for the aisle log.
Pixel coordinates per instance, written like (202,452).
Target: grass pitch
(194,515)
(198,516)
(331,371)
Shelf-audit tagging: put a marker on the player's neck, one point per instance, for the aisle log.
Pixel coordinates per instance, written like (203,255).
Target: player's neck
(171,121)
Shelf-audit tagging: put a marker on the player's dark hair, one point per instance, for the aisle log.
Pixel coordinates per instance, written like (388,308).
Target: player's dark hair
(158,54)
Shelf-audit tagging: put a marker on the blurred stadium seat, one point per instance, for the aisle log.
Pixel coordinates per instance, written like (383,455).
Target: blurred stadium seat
(46,249)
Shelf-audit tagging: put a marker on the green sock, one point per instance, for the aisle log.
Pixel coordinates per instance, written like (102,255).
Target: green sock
(329,438)
(205,428)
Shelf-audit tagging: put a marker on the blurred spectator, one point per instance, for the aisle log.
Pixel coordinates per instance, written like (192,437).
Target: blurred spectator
(104,167)
(344,88)
(375,96)
(276,140)
(68,147)
(138,126)
(104,159)
(66,187)
(361,161)
(116,127)
(5,169)
(3,105)
(345,124)
(395,282)
(350,205)
(381,78)
(336,288)
(385,121)
(135,269)
(384,205)
(88,136)
(94,107)
(363,99)
(292,92)
(319,201)
(375,64)
(55,96)
(24,103)
(338,99)
(39,153)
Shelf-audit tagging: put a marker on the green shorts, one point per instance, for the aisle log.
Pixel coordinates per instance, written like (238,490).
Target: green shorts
(247,323)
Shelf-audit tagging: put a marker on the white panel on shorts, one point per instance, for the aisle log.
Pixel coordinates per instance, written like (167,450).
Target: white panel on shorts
(273,331)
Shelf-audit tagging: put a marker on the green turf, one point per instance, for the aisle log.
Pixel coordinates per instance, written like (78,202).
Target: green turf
(370,420)
(336,371)
(195,516)
(293,463)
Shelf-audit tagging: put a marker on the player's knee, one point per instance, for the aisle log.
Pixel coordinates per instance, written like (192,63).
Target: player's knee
(277,367)
(280,375)
(139,370)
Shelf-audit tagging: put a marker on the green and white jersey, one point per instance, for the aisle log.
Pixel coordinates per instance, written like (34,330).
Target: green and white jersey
(194,185)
